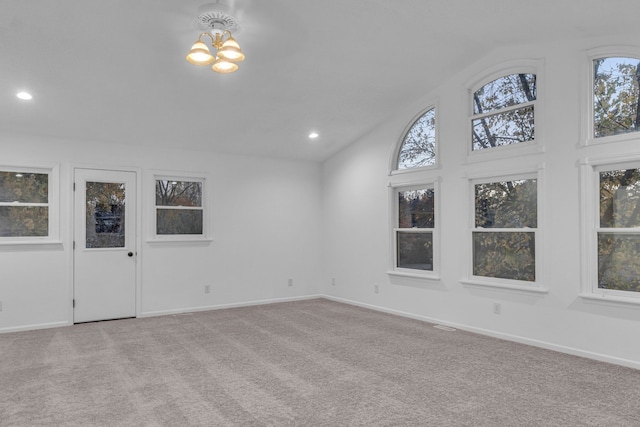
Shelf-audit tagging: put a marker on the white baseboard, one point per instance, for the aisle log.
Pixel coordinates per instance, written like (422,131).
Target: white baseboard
(35,326)
(522,340)
(223,306)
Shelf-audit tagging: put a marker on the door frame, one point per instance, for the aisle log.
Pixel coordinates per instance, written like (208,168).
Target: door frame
(71,172)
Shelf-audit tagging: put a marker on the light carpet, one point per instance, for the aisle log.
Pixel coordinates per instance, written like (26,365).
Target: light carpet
(305,363)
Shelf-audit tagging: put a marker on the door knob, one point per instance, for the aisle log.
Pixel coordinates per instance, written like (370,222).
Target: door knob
(130,254)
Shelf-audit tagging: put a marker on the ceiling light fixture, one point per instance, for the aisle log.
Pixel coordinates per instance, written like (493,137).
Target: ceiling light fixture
(219,26)
(24,96)
(313,135)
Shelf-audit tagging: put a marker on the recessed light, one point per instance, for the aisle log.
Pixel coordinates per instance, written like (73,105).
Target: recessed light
(313,135)
(24,95)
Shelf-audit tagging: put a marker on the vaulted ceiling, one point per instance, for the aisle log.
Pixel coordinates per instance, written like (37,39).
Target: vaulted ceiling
(114,71)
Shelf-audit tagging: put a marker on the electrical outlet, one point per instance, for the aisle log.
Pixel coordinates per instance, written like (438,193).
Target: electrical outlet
(207,289)
(497,308)
(376,289)
(333,281)
(290,283)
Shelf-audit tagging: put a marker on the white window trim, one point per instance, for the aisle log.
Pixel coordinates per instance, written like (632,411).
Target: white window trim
(52,240)
(494,282)
(587,128)
(590,203)
(393,270)
(155,238)
(533,66)
(393,162)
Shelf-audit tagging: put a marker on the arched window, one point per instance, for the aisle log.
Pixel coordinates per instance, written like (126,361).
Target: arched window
(414,239)
(418,147)
(616,96)
(503,112)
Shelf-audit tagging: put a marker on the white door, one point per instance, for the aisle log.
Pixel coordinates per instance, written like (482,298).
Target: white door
(105,245)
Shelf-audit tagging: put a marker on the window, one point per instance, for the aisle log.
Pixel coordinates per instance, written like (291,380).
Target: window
(504,229)
(179,207)
(105,214)
(413,223)
(418,148)
(26,212)
(414,232)
(615,96)
(618,231)
(503,112)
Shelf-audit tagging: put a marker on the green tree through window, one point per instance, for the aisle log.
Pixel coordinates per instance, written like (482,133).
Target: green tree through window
(503,112)
(616,96)
(505,224)
(179,209)
(418,147)
(619,233)
(415,228)
(24,204)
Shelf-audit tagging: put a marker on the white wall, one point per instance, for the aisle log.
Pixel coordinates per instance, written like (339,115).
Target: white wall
(356,219)
(266,218)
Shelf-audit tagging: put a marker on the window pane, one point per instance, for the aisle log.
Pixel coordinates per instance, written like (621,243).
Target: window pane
(505,255)
(615,96)
(21,221)
(504,92)
(419,145)
(179,221)
(105,215)
(619,198)
(511,127)
(178,193)
(415,250)
(507,204)
(24,187)
(619,262)
(416,208)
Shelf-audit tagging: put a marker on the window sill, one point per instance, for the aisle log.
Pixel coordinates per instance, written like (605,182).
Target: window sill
(180,242)
(610,139)
(528,289)
(30,245)
(505,151)
(424,276)
(408,171)
(609,299)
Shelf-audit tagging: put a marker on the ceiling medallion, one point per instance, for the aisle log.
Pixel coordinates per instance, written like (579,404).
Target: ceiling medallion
(217,21)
